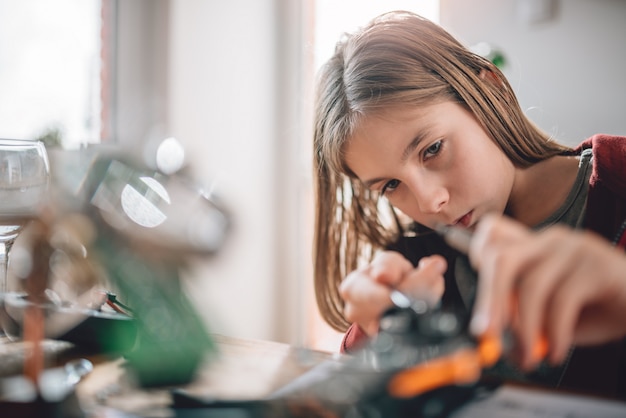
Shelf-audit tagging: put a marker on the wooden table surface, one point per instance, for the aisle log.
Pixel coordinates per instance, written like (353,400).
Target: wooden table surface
(242,369)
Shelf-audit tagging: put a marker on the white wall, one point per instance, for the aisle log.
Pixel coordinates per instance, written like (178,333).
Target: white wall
(568,71)
(233,102)
(221,108)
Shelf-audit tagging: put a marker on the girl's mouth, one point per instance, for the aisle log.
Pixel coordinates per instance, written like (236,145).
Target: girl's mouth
(464,221)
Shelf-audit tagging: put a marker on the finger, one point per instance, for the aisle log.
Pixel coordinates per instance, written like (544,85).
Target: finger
(429,272)
(590,305)
(509,266)
(546,266)
(488,253)
(485,315)
(562,316)
(435,262)
(605,310)
(426,281)
(493,230)
(365,299)
(389,267)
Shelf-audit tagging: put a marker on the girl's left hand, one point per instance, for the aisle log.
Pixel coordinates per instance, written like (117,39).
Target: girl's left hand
(367,291)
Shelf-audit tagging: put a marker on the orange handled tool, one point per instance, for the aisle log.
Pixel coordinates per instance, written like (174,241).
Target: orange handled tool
(461,367)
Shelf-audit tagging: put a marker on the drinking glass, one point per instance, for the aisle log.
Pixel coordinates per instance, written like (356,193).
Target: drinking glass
(24,178)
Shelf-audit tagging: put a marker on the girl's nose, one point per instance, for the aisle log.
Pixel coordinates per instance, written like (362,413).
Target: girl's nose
(431,198)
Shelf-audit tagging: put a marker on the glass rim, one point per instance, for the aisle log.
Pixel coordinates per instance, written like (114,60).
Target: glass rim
(14,141)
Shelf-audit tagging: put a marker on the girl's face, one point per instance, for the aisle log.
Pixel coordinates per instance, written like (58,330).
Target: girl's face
(435,163)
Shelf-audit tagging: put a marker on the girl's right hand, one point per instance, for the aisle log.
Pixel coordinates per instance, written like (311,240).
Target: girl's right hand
(367,291)
(568,285)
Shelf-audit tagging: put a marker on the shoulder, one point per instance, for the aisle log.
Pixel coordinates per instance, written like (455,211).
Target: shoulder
(606,203)
(609,157)
(604,145)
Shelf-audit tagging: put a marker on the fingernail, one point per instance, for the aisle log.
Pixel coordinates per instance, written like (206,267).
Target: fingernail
(432,262)
(541,349)
(478,324)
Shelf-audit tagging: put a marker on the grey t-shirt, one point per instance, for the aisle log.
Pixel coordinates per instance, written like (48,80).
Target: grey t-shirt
(572,212)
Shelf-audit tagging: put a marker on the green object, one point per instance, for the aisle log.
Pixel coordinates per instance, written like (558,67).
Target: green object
(497,58)
(491,53)
(172,340)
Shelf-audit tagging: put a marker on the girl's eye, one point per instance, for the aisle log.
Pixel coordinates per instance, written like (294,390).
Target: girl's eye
(390,186)
(432,150)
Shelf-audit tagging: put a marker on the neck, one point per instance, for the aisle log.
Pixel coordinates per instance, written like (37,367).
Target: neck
(539,190)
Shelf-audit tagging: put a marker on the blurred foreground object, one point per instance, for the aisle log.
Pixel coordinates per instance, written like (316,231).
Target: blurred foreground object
(147,227)
(24,175)
(120,235)
(492,53)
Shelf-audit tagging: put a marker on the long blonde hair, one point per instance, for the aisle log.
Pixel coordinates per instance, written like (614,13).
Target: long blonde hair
(400,58)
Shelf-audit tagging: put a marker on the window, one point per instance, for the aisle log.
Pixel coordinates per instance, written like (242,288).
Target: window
(51,71)
(333,18)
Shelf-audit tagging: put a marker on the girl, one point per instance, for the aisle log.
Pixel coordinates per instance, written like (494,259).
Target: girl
(406,115)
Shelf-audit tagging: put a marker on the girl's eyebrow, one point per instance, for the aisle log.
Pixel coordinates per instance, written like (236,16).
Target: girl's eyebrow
(371,182)
(421,136)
